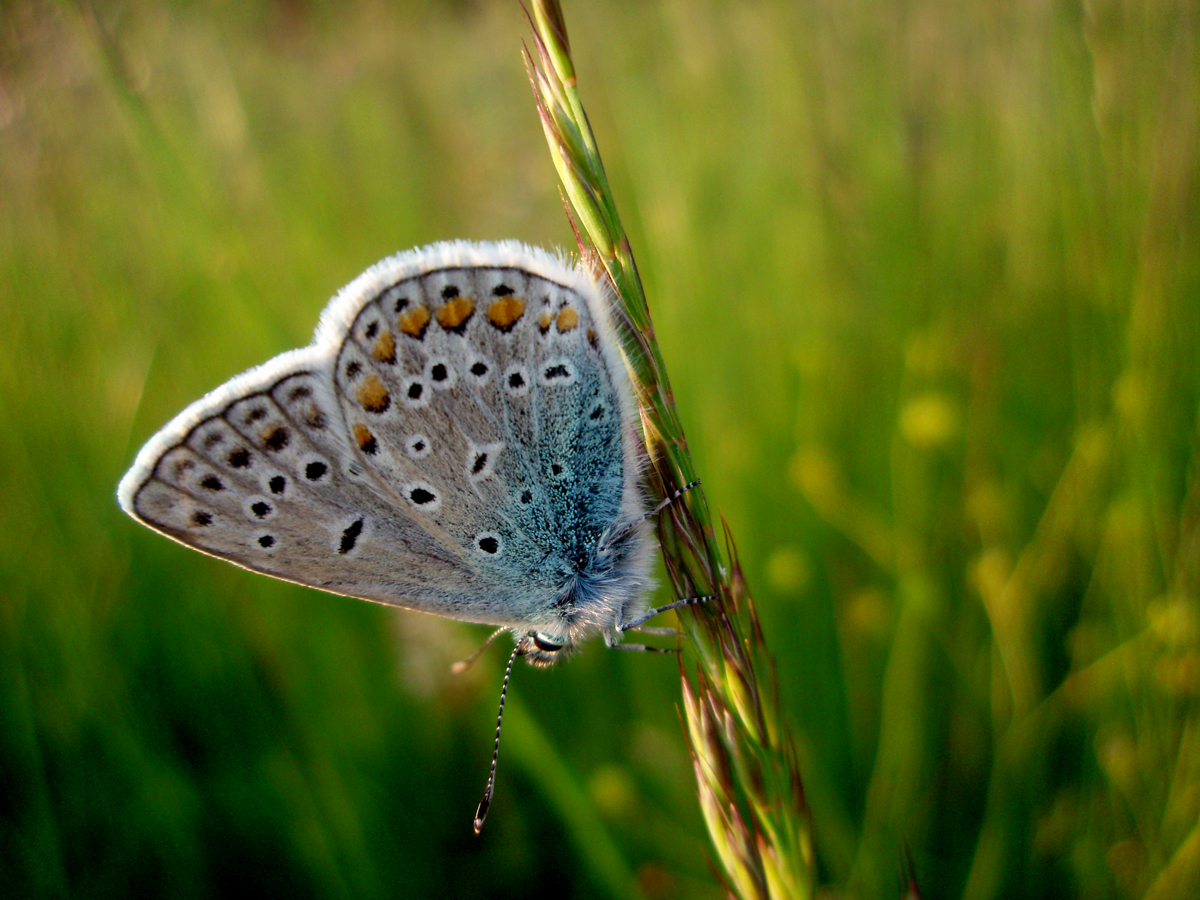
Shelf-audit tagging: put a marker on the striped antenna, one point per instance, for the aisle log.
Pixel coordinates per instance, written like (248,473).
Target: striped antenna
(482,811)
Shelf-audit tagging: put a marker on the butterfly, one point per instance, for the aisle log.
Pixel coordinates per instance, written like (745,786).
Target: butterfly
(460,439)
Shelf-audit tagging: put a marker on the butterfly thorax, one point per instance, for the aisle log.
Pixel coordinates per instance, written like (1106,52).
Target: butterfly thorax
(600,595)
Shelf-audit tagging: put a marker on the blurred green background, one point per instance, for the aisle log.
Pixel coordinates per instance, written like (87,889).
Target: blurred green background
(927,278)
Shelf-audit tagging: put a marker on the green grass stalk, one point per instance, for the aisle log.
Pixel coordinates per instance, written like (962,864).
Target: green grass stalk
(747,777)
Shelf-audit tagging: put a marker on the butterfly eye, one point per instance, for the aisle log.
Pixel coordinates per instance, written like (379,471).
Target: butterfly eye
(545,644)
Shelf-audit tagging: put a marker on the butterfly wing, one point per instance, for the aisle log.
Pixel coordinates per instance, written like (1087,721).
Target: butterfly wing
(453,442)
(479,393)
(258,473)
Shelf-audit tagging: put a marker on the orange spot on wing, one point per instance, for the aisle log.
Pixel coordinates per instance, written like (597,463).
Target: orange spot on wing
(454,313)
(505,312)
(413,321)
(275,437)
(385,347)
(373,395)
(362,434)
(567,320)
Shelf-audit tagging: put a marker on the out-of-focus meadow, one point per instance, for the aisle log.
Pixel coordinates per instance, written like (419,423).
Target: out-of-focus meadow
(927,279)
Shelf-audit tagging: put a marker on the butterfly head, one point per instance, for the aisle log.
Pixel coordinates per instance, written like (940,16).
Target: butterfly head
(543,650)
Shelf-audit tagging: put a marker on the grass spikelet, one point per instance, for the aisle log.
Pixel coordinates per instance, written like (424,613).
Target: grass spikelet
(747,779)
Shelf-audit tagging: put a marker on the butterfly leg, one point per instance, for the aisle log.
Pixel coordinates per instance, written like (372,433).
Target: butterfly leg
(659,632)
(643,648)
(667,501)
(620,534)
(646,617)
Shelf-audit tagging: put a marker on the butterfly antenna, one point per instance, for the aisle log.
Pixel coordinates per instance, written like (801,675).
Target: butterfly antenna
(463,664)
(482,811)
(667,501)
